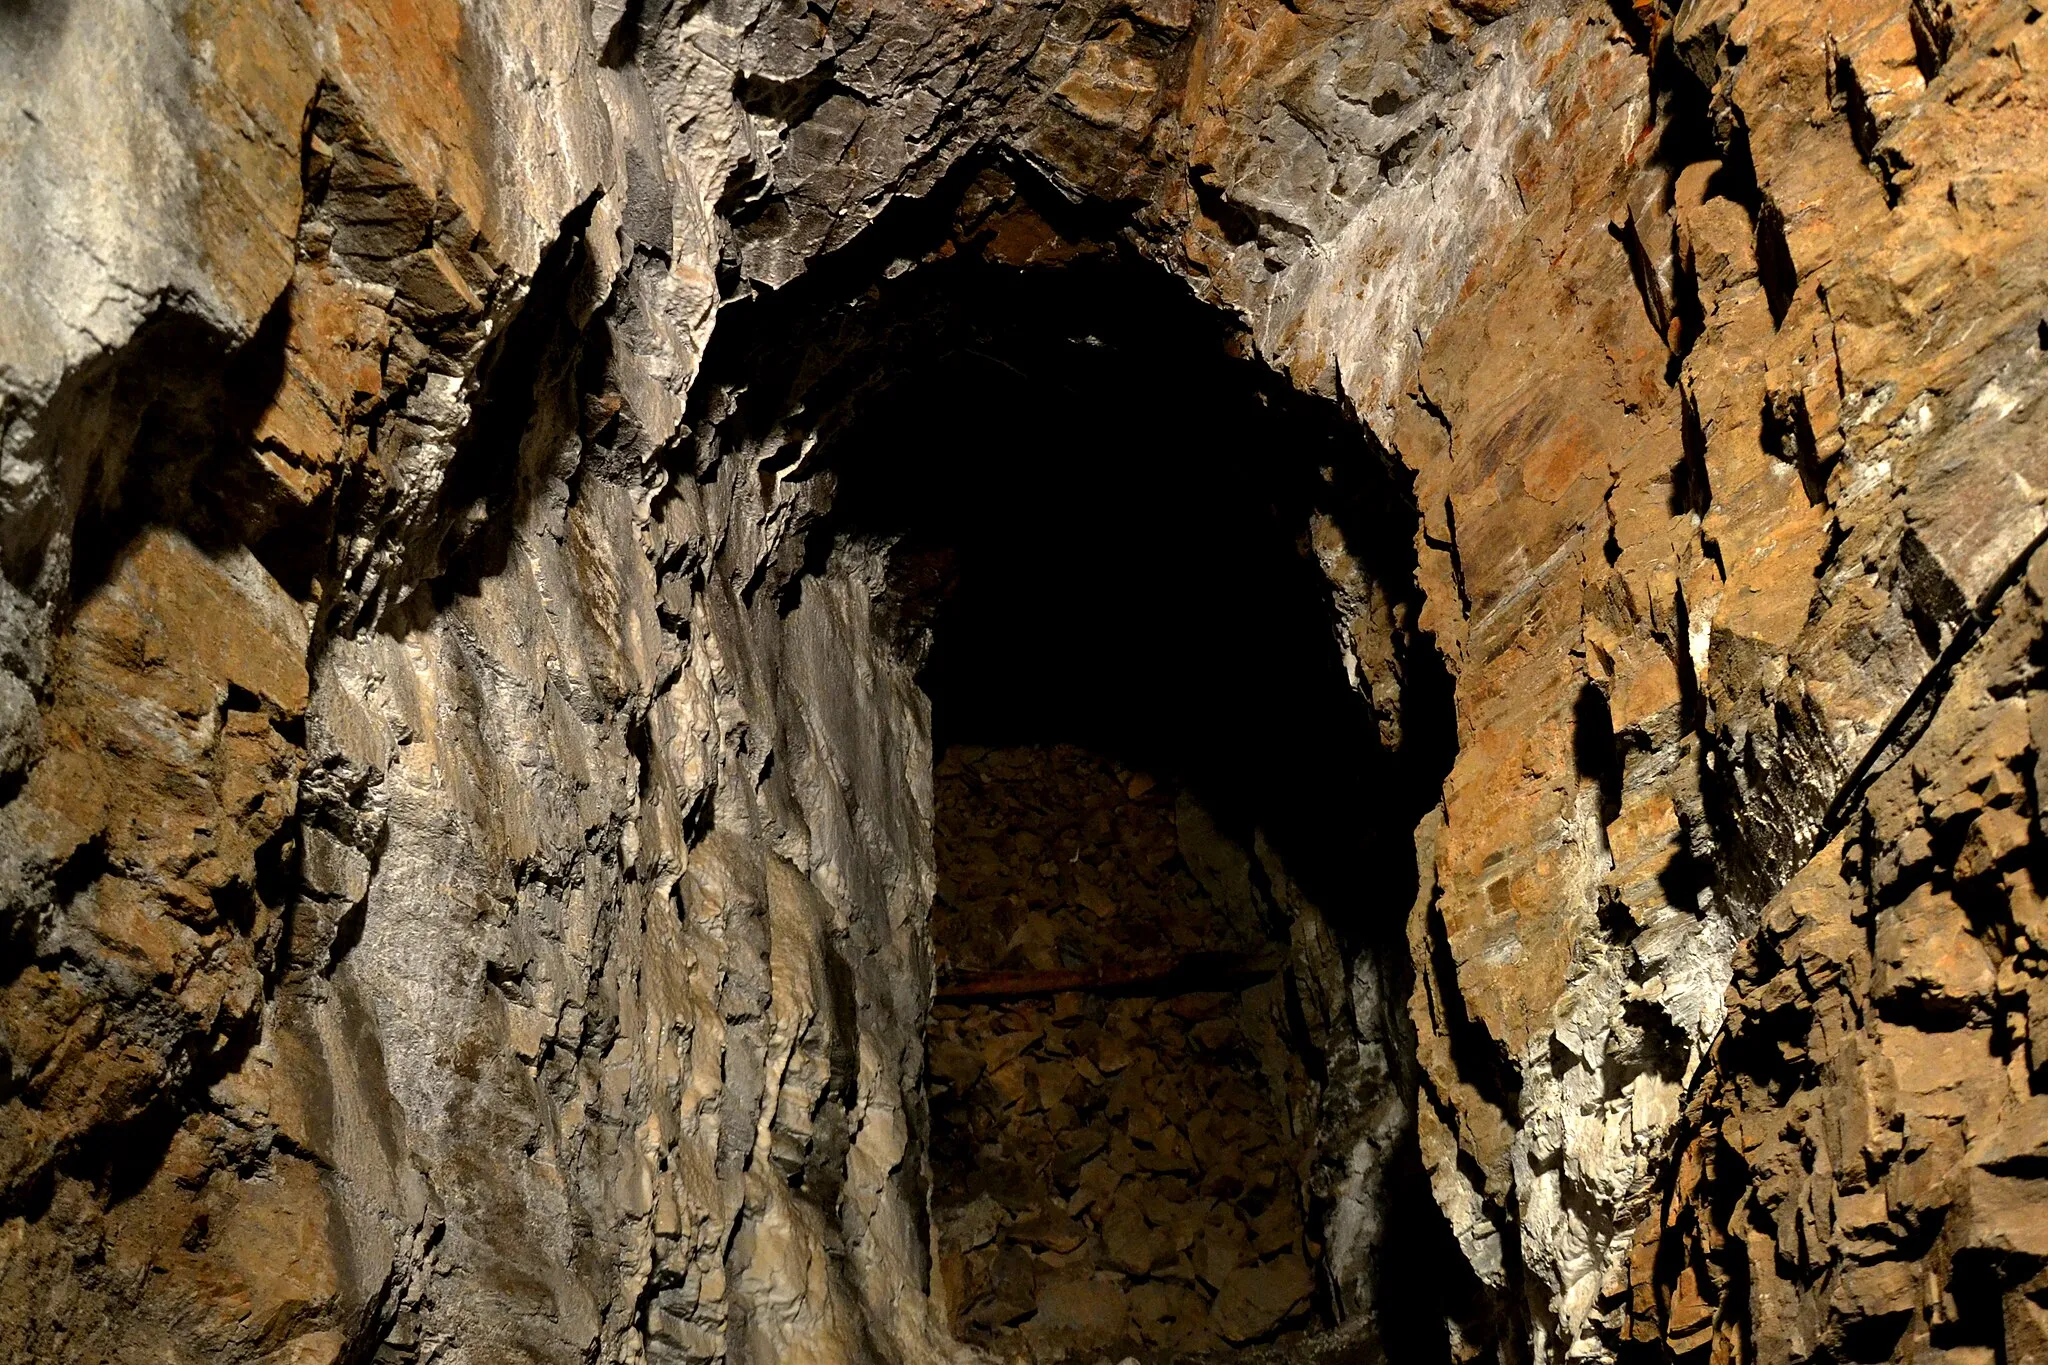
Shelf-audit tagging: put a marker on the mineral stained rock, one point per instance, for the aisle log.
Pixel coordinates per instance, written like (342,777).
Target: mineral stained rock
(466,819)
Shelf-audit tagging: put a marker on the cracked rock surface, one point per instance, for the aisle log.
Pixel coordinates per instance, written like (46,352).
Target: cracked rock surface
(466,807)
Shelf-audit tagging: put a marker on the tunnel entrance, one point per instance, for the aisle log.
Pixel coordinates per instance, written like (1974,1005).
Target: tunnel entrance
(1167,824)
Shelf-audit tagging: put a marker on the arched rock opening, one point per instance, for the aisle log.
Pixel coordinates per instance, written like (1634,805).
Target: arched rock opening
(1168,1074)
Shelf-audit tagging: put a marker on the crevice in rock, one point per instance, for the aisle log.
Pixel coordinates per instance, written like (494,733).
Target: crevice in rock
(175,441)
(501,452)
(1595,753)
(1884,162)
(1788,435)
(1913,716)
(1775,268)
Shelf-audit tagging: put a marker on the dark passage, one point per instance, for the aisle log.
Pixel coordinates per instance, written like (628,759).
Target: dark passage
(1095,513)
(1103,518)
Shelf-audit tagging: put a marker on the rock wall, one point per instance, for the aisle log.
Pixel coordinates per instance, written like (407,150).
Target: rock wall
(462,853)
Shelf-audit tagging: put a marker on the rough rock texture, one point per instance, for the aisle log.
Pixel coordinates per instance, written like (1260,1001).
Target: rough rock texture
(1860,1166)
(465,849)
(1120,1165)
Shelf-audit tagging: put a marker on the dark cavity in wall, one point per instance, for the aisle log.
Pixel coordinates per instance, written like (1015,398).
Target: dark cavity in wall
(1094,508)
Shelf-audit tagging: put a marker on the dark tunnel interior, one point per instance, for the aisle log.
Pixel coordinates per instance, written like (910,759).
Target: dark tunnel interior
(1111,513)
(1095,509)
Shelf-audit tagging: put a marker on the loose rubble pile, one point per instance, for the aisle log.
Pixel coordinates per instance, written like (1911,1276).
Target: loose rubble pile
(1118,1171)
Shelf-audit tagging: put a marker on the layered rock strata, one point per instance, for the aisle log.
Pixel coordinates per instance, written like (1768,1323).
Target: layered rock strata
(465,859)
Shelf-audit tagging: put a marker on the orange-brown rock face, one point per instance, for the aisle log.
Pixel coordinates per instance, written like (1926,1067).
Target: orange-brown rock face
(1699,598)
(465,805)
(1859,1165)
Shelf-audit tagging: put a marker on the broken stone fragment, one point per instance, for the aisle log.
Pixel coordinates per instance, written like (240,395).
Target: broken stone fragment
(332,868)
(1092,1308)
(1221,1245)
(1049,1230)
(972,1225)
(1928,959)
(1167,1314)
(956,1064)
(1256,1299)
(1015,1280)
(1130,1243)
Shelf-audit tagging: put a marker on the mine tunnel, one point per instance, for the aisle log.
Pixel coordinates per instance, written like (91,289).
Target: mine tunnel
(1095,509)
(1103,681)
